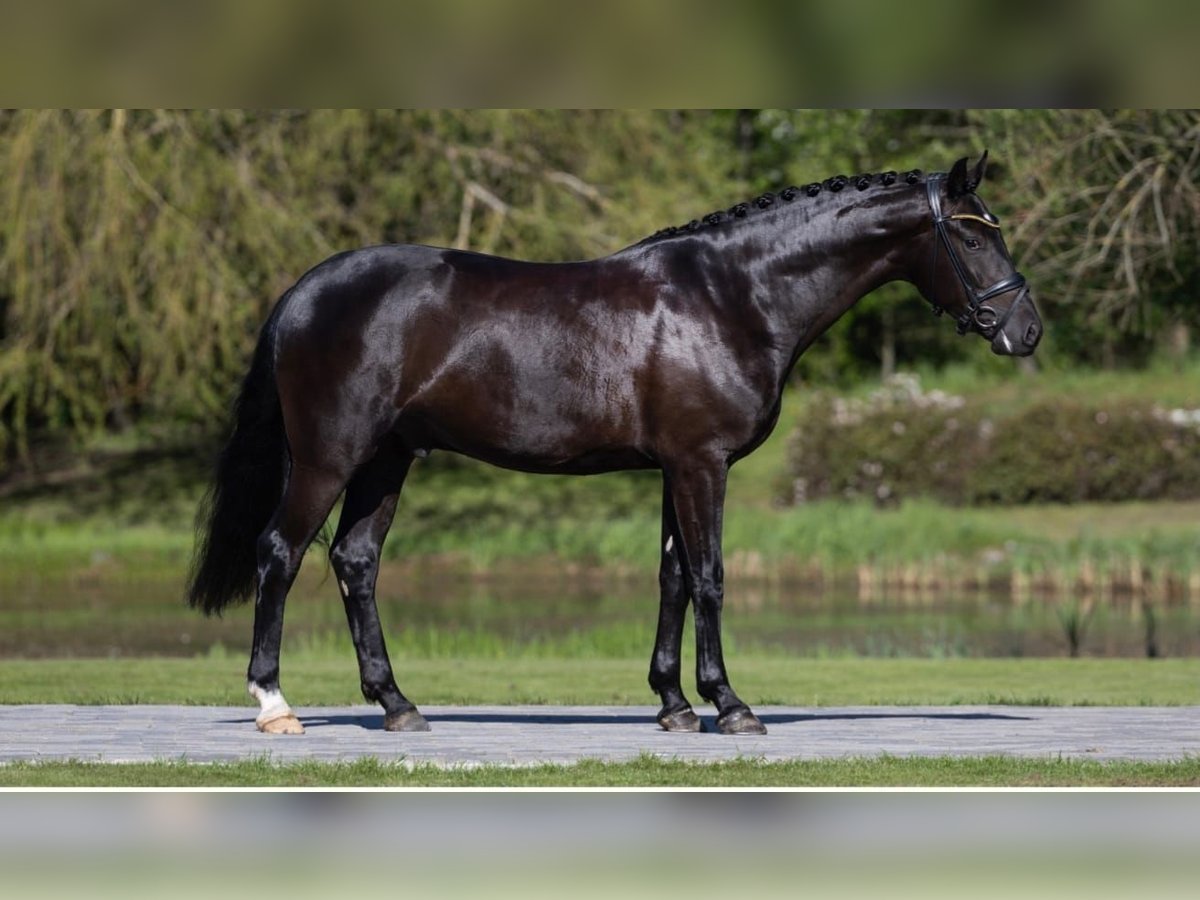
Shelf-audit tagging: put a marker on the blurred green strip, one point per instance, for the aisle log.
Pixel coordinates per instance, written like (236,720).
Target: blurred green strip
(331,678)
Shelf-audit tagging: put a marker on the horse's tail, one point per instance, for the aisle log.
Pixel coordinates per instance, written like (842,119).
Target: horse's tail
(247,487)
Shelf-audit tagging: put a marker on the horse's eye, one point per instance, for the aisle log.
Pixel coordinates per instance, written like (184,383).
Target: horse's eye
(972,244)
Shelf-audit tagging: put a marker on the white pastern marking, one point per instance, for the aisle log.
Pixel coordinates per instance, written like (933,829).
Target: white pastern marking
(670,543)
(271,702)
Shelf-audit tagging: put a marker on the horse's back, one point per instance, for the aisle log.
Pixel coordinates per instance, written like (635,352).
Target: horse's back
(394,278)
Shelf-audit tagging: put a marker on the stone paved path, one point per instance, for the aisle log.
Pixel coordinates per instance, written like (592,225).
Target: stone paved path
(522,735)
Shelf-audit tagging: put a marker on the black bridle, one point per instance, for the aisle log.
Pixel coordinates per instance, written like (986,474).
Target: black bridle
(973,316)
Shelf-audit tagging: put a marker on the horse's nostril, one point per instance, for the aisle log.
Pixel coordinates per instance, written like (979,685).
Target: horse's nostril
(1032,333)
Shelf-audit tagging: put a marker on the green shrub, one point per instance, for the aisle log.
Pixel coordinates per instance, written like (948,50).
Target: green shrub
(903,442)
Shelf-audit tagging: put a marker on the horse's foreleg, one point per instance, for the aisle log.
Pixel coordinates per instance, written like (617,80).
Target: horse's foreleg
(307,499)
(676,713)
(366,516)
(698,497)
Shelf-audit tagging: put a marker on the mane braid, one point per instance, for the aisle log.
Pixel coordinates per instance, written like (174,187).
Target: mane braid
(769,199)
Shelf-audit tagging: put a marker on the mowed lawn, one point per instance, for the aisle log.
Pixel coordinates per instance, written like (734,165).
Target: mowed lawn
(645,772)
(324,679)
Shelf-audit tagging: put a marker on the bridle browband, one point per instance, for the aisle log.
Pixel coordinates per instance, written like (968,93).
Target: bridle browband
(975,298)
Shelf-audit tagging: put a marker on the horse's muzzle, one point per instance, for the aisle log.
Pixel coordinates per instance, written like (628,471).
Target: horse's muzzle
(1022,330)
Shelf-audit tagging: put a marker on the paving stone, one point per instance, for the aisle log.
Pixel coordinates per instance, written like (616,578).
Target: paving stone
(526,735)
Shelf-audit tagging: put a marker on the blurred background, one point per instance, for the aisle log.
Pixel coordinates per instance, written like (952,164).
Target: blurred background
(920,497)
(636,845)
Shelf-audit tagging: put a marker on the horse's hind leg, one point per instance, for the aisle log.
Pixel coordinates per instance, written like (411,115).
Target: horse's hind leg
(366,516)
(676,713)
(307,499)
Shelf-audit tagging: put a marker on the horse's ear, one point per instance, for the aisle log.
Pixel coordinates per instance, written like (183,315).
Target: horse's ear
(958,181)
(977,175)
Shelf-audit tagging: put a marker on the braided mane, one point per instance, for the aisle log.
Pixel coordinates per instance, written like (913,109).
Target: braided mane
(768,199)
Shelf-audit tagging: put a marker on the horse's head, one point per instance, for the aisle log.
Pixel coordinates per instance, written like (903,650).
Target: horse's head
(972,274)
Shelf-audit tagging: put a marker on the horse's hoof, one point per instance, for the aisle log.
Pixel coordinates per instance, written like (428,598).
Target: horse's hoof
(680,720)
(740,721)
(284,724)
(409,720)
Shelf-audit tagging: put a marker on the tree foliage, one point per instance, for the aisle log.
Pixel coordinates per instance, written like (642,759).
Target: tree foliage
(1107,218)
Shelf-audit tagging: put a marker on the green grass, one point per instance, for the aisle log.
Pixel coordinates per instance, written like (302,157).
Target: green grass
(827,535)
(647,771)
(318,680)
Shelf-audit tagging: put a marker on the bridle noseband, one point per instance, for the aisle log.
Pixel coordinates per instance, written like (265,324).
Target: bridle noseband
(975,298)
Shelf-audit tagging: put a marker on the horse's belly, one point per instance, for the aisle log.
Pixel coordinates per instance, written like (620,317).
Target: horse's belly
(592,462)
(532,439)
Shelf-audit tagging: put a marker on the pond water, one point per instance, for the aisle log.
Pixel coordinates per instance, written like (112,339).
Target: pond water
(119,617)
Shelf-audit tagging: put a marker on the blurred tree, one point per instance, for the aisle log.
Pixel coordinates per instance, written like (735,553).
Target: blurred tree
(1107,209)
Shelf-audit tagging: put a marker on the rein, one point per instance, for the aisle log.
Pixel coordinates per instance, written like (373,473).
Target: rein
(972,317)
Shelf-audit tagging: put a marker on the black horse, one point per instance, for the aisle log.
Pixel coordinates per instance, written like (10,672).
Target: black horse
(671,354)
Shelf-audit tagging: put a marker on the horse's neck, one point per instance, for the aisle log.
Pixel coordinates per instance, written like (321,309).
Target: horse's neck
(814,266)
